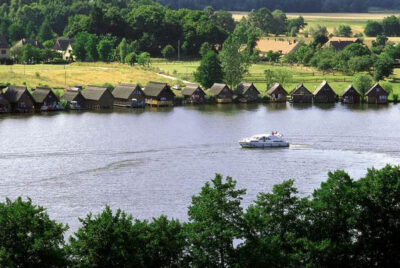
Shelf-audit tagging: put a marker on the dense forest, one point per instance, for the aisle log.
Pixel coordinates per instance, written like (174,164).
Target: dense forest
(344,223)
(287,5)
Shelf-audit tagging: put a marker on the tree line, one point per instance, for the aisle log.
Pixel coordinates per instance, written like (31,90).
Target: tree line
(344,223)
(389,26)
(287,5)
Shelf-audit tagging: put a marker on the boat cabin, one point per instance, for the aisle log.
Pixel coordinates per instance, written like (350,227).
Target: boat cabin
(98,97)
(159,94)
(301,95)
(277,93)
(350,95)
(222,93)
(74,99)
(324,94)
(377,95)
(247,92)
(44,99)
(129,95)
(193,94)
(19,98)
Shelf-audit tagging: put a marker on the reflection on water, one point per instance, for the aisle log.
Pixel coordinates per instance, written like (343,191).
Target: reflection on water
(151,161)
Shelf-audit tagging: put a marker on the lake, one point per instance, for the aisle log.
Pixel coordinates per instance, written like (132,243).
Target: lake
(150,162)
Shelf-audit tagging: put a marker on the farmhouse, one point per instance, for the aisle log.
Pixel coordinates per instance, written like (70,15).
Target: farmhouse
(128,95)
(282,47)
(246,92)
(4,49)
(74,99)
(377,95)
(277,93)
(340,43)
(159,94)
(44,99)
(20,99)
(64,48)
(5,106)
(324,94)
(193,94)
(31,42)
(301,95)
(350,95)
(98,97)
(222,93)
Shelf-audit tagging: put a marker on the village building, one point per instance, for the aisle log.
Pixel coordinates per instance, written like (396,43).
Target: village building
(377,95)
(193,94)
(350,95)
(74,99)
(324,94)
(159,94)
(128,95)
(98,97)
(5,106)
(340,43)
(20,99)
(221,92)
(301,95)
(31,42)
(44,99)
(4,50)
(246,92)
(277,93)
(276,46)
(64,48)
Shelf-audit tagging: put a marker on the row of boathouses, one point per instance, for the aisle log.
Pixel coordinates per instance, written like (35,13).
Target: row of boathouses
(20,99)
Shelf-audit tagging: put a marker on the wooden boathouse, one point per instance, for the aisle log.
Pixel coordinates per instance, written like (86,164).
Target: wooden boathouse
(194,94)
(20,99)
(129,95)
(98,98)
(324,94)
(74,99)
(44,99)
(377,95)
(221,92)
(350,95)
(246,92)
(301,95)
(159,94)
(277,93)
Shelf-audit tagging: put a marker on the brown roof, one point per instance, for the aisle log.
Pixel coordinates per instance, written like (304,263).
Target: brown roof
(217,88)
(349,88)
(70,95)
(190,89)
(14,93)
(93,93)
(39,94)
(62,44)
(124,91)
(340,43)
(321,86)
(283,47)
(374,87)
(275,87)
(298,88)
(154,89)
(3,42)
(243,87)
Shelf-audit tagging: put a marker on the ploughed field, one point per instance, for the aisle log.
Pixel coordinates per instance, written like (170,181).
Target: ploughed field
(150,162)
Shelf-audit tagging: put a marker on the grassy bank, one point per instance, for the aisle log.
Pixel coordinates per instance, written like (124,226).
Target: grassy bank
(60,76)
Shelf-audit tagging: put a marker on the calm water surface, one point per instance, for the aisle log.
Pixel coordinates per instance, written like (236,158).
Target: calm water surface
(151,162)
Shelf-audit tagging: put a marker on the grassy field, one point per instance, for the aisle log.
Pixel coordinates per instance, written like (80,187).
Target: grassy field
(309,76)
(76,74)
(357,21)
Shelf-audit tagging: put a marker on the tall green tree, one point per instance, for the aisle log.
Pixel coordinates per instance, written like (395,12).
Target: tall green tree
(215,218)
(122,50)
(28,237)
(45,31)
(210,70)
(362,82)
(81,40)
(105,50)
(91,47)
(168,52)
(383,66)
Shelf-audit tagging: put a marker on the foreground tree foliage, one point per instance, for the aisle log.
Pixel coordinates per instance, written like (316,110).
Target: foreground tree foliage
(28,237)
(344,223)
